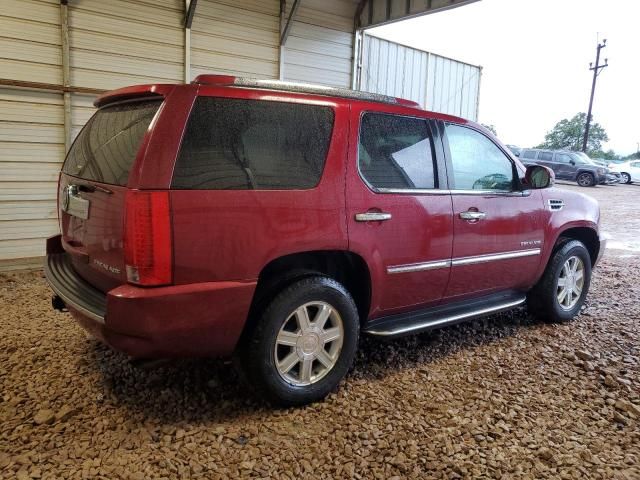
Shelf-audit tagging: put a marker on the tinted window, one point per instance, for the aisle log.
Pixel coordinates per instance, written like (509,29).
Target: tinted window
(233,144)
(395,152)
(563,158)
(478,164)
(546,156)
(108,144)
(635,164)
(529,154)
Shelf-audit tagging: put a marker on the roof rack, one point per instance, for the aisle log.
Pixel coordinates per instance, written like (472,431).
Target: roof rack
(296,87)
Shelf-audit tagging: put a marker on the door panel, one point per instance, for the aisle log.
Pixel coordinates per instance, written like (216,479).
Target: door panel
(497,230)
(511,225)
(408,248)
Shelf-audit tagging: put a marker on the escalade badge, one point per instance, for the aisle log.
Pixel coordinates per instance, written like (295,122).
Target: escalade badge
(108,268)
(531,243)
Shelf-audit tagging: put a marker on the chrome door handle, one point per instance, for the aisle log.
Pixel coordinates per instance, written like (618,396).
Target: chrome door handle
(471,215)
(372,217)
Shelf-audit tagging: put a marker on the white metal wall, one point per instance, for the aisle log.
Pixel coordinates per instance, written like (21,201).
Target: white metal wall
(31,126)
(236,37)
(320,46)
(437,83)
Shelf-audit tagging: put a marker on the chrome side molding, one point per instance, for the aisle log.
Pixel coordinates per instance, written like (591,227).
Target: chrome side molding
(491,257)
(419,267)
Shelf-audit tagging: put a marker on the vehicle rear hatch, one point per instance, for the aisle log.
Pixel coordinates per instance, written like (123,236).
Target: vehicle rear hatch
(93,189)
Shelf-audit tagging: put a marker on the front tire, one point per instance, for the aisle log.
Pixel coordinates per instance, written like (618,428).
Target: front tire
(303,344)
(561,291)
(586,180)
(626,178)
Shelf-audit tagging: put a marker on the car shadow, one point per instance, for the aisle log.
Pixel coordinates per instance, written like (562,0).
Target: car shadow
(206,391)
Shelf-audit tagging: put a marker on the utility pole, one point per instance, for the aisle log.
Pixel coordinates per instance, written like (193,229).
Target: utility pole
(596,72)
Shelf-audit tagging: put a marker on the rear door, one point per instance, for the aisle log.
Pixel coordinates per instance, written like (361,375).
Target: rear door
(398,208)
(497,229)
(93,186)
(546,158)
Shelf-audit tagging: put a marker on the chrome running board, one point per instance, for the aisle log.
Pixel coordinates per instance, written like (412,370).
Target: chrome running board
(443,315)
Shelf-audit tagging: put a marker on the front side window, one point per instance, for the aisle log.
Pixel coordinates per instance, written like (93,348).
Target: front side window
(236,144)
(478,164)
(563,158)
(396,152)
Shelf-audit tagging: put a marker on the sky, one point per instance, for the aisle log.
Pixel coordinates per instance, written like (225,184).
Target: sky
(535,56)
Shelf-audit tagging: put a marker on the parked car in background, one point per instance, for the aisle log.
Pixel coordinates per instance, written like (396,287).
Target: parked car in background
(274,223)
(571,166)
(515,150)
(629,171)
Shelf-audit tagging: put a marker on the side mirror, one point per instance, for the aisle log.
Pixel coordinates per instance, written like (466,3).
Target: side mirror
(572,162)
(538,176)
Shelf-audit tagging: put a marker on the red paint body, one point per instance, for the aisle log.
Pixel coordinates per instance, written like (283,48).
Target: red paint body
(223,239)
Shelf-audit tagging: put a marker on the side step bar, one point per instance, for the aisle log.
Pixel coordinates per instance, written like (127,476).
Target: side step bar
(420,321)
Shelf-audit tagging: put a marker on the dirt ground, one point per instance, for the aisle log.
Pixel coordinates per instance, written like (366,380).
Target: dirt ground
(504,397)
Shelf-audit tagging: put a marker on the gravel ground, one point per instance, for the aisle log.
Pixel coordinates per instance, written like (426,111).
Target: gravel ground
(505,397)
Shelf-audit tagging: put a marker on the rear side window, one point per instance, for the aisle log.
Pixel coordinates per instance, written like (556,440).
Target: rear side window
(234,144)
(531,154)
(546,156)
(396,152)
(108,144)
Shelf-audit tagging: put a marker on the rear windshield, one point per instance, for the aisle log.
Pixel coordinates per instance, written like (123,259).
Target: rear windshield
(107,146)
(235,144)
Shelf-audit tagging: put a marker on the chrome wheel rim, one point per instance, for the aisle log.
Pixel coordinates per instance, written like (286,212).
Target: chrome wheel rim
(584,179)
(626,178)
(308,344)
(570,283)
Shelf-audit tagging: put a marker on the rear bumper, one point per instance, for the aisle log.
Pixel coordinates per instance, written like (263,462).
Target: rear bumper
(203,319)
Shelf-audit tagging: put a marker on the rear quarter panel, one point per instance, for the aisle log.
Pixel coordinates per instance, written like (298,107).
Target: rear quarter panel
(223,235)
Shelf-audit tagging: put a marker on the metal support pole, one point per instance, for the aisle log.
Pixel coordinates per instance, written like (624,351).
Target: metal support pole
(66,73)
(596,72)
(287,26)
(189,11)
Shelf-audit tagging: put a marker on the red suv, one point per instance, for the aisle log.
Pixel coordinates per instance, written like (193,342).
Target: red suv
(274,223)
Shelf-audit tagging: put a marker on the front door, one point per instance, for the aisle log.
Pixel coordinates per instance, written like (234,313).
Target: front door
(565,169)
(399,209)
(498,232)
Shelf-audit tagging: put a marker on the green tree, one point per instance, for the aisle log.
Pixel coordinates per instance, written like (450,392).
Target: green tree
(491,127)
(608,155)
(569,133)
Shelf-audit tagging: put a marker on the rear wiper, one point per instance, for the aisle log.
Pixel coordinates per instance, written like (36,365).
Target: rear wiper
(93,188)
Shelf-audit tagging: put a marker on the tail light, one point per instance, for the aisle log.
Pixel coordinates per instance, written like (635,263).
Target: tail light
(147,240)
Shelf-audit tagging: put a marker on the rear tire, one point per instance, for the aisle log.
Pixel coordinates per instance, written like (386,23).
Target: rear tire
(626,178)
(560,293)
(303,344)
(586,179)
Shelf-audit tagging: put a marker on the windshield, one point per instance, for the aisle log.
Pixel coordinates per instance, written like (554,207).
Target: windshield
(108,144)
